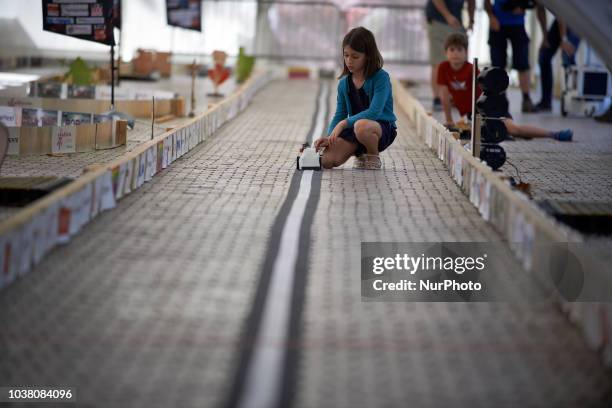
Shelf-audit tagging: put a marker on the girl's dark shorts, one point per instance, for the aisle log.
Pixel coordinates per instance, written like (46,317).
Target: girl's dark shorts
(387,137)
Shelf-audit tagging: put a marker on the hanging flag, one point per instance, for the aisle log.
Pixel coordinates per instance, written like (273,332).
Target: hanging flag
(184,14)
(90,20)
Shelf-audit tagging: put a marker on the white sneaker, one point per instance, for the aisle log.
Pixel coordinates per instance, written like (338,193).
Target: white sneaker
(360,162)
(373,162)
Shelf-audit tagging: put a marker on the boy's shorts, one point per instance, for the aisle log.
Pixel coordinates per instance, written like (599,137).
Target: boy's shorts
(498,42)
(437,33)
(387,137)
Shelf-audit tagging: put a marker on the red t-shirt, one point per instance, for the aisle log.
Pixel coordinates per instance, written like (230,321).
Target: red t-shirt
(459,84)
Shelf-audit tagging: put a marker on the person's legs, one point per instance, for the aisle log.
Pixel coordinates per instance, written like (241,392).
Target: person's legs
(533,132)
(520,61)
(525,131)
(437,33)
(497,47)
(545,57)
(337,154)
(368,132)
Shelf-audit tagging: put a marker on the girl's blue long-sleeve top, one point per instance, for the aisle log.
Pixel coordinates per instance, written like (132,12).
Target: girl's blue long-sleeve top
(378,89)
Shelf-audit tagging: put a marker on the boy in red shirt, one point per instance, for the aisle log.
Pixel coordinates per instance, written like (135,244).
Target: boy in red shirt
(455,81)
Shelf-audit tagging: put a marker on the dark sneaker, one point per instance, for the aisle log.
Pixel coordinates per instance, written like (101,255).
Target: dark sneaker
(527,106)
(437,105)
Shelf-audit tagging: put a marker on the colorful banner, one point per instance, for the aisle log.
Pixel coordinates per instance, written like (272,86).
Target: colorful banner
(90,20)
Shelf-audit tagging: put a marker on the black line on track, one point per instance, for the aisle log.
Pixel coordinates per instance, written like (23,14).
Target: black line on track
(249,332)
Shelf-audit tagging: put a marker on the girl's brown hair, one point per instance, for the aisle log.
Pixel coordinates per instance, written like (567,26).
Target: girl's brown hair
(362,40)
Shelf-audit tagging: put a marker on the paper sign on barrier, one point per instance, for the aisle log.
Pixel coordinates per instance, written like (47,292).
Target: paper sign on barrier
(459,170)
(13,141)
(190,138)
(121,182)
(153,162)
(177,145)
(107,198)
(184,140)
(233,109)
(10,116)
(63,222)
(159,162)
(172,151)
(63,139)
(517,236)
(115,178)
(39,236)
(86,204)
(75,215)
(97,192)
(149,164)
(528,243)
(26,245)
(10,257)
(485,201)
(472,185)
(129,177)
(51,226)
(167,151)
(142,166)
(136,172)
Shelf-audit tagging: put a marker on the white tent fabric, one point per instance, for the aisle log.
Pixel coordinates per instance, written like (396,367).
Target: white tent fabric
(280,28)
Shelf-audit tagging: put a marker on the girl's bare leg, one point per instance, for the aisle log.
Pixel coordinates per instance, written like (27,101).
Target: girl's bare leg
(368,132)
(338,153)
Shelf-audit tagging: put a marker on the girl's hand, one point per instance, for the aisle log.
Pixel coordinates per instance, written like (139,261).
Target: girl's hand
(321,142)
(337,130)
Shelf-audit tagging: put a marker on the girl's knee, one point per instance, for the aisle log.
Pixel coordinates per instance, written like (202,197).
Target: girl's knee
(363,127)
(359,127)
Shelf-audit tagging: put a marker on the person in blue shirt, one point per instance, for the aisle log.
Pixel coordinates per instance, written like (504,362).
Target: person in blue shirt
(507,22)
(364,122)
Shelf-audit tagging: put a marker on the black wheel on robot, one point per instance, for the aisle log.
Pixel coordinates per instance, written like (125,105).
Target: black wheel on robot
(563,107)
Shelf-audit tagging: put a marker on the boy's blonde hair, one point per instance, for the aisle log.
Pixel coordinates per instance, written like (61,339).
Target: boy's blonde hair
(456,40)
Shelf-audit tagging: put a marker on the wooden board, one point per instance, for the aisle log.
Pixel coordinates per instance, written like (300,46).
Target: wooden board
(138,109)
